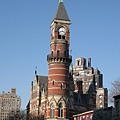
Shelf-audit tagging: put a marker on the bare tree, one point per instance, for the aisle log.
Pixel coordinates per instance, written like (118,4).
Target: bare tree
(33,117)
(17,115)
(22,115)
(115,89)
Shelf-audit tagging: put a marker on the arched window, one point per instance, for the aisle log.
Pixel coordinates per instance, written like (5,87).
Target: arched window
(52,53)
(65,53)
(52,110)
(61,86)
(53,82)
(61,37)
(60,114)
(58,52)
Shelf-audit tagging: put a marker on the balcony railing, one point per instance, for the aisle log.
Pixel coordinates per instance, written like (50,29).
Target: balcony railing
(59,56)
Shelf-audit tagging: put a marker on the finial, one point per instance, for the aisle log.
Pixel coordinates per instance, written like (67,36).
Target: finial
(32,83)
(35,70)
(60,1)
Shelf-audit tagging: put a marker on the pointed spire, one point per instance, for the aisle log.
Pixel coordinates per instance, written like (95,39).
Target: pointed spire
(61,13)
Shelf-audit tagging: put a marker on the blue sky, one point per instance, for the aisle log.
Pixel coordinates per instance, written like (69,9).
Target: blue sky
(25,38)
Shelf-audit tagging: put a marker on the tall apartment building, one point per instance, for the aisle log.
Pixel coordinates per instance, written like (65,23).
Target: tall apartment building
(67,90)
(9,103)
(92,82)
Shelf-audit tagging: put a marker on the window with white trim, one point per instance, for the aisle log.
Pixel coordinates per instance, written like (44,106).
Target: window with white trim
(60,114)
(52,110)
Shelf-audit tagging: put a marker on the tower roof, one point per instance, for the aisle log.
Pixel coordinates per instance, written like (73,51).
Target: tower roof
(61,13)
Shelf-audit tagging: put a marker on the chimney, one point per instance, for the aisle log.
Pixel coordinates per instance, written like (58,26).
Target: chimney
(89,62)
(80,88)
(13,91)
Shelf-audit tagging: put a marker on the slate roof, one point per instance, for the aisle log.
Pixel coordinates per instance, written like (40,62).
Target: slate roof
(91,88)
(61,13)
(78,99)
(81,101)
(43,81)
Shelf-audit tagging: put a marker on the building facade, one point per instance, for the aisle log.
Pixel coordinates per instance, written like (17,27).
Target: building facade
(91,81)
(117,107)
(98,114)
(9,103)
(84,116)
(68,89)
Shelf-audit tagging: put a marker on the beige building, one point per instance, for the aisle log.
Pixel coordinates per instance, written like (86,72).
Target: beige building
(102,98)
(9,103)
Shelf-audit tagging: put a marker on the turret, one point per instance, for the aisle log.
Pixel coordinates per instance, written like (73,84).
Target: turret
(59,61)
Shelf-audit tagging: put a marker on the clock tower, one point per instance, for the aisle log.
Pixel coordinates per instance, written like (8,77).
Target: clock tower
(59,60)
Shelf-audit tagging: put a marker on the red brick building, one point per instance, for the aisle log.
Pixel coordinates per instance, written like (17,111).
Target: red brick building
(84,116)
(60,95)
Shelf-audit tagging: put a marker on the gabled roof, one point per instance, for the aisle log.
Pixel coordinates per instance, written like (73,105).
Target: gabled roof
(61,13)
(43,81)
(79,100)
(92,88)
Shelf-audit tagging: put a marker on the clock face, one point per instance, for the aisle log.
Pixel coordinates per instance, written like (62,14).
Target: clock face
(62,31)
